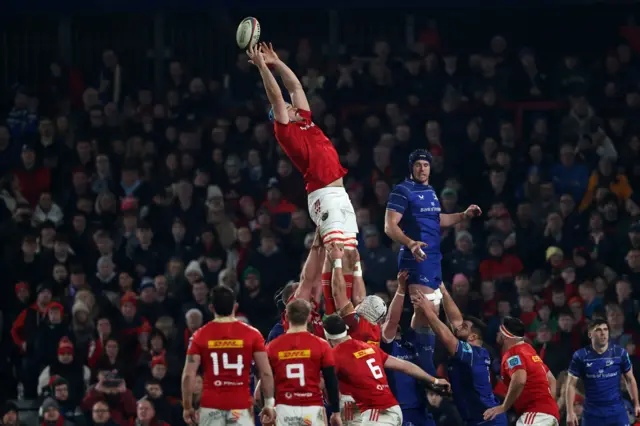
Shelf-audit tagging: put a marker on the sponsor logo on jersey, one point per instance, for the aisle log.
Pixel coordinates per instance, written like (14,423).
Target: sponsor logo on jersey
(307,420)
(514,361)
(303,353)
(536,358)
(235,415)
(372,342)
(364,353)
(225,344)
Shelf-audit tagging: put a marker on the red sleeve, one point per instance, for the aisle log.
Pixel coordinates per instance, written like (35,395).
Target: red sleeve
(513,363)
(516,265)
(382,354)
(327,356)
(304,114)
(17,329)
(352,321)
(258,342)
(194,347)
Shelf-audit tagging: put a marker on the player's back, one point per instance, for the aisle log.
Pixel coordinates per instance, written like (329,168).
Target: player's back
(361,374)
(409,393)
(297,360)
(310,150)
(226,350)
(363,330)
(420,208)
(536,396)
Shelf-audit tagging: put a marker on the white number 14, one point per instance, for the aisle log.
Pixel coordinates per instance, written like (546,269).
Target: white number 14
(226,365)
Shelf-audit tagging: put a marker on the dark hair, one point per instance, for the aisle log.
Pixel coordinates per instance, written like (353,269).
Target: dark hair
(565,312)
(514,326)
(223,299)
(334,324)
(152,381)
(477,325)
(597,322)
(298,311)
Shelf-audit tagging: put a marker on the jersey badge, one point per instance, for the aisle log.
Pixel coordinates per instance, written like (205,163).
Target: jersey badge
(514,361)
(363,353)
(536,358)
(304,353)
(466,347)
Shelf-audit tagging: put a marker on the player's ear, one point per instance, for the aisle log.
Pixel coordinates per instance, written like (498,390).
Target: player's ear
(235,308)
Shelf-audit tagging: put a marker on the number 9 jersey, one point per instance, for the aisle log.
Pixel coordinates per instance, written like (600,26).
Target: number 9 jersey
(226,351)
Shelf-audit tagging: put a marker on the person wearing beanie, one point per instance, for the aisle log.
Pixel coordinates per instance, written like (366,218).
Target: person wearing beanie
(49,334)
(82,327)
(148,306)
(130,324)
(50,413)
(193,272)
(67,366)
(9,416)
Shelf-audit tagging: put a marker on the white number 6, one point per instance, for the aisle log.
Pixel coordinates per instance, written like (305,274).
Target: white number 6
(296,371)
(375,370)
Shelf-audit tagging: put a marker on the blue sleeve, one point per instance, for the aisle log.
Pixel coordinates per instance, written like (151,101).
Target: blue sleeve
(398,199)
(576,367)
(276,331)
(464,352)
(625,362)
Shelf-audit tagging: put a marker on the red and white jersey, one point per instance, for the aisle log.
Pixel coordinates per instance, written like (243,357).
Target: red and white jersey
(297,360)
(310,151)
(360,370)
(363,330)
(315,322)
(536,396)
(226,351)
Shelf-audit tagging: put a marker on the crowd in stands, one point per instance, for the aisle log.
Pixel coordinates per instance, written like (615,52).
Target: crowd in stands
(121,206)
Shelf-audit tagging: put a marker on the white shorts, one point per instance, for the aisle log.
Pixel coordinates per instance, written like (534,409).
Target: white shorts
(331,210)
(390,417)
(215,417)
(349,411)
(289,415)
(537,419)
(435,297)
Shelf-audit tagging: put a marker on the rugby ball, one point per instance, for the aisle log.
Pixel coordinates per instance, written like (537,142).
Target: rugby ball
(248,33)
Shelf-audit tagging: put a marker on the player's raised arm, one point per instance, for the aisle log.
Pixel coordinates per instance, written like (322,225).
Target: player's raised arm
(359,290)
(189,373)
(439,328)
(289,78)
(274,93)
(450,308)
(396,206)
(335,254)
(311,275)
(390,326)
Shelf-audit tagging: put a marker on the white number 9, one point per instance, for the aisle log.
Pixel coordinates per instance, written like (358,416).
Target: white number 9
(296,371)
(375,370)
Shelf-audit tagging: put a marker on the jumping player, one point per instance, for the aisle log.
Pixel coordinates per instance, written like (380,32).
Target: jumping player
(469,362)
(412,347)
(413,219)
(360,368)
(225,348)
(298,359)
(314,156)
(363,320)
(600,366)
(531,384)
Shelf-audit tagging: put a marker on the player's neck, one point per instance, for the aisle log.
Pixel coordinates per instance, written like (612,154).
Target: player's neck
(297,329)
(509,345)
(600,349)
(476,342)
(230,318)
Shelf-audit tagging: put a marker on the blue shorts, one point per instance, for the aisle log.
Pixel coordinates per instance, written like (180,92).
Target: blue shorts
(417,417)
(620,418)
(427,273)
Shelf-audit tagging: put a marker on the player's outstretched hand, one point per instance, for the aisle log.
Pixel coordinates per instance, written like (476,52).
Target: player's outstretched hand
(190,416)
(403,276)
(492,413)
(473,211)
(441,386)
(270,55)
(335,420)
(420,302)
(572,419)
(335,251)
(256,57)
(416,250)
(267,416)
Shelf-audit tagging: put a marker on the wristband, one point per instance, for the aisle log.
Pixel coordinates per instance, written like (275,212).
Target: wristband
(337,263)
(269,402)
(399,294)
(435,381)
(464,215)
(357,271)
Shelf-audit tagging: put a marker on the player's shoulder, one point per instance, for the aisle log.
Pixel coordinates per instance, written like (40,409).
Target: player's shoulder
(404,188)
(581,353)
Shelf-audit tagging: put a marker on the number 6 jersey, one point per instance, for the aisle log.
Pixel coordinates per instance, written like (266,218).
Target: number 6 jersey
(360,371)
(297,360)
(226,351)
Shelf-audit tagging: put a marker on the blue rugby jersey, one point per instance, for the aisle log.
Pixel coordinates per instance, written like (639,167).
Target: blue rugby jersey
(420,209)
(470,377)
(418,349)
(600,374)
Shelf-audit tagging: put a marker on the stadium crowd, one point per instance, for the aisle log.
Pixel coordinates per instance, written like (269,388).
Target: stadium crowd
(122,206)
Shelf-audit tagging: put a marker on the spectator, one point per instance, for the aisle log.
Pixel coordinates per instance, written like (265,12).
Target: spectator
(379,262)
(9,414)
(499,265)
(146,414)
(100,415)
(113,393)
(67,367)
(51,415)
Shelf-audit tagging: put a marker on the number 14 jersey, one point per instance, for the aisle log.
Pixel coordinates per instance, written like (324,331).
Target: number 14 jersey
(226,351)
(360,369)
(297,360)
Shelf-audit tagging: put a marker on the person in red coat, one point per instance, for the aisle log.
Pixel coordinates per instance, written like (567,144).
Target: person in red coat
(33,178)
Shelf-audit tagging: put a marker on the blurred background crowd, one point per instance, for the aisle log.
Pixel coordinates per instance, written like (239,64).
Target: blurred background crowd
(135,176)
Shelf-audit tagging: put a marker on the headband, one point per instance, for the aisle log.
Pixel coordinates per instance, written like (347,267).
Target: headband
(330,336)
(507,333)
